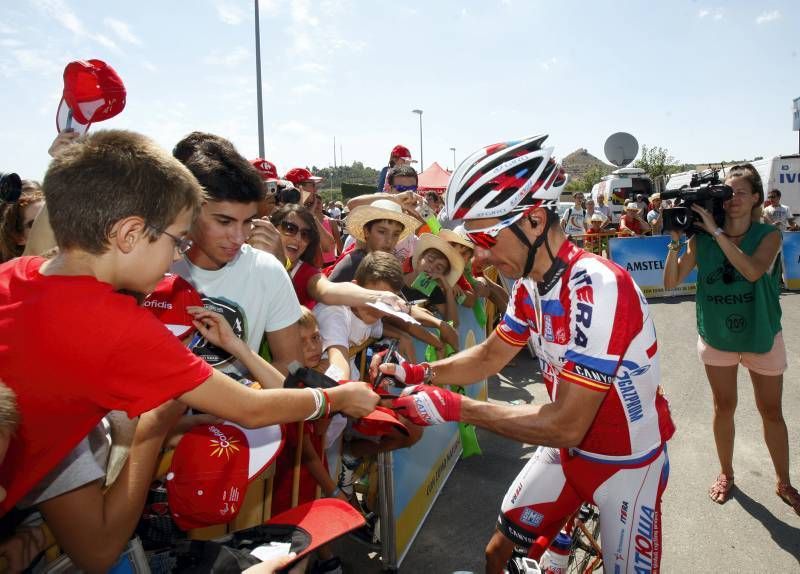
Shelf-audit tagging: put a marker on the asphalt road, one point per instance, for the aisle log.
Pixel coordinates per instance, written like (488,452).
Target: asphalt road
(754,532)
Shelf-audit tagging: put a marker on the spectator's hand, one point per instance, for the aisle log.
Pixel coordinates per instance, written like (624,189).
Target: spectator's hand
(427,405)
(388,298)
(62,140)
(353,398)
(449,335)
(481,287)
(20,549)
(707,222)
(408,200)
(215,328)
(266,237)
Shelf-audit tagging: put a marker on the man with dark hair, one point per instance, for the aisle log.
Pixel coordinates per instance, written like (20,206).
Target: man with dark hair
(248,286)
(778,214)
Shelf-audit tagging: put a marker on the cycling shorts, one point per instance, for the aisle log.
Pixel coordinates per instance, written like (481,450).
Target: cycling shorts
(553,484)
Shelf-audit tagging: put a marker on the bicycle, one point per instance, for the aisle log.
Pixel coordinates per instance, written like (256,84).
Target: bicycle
(585,552)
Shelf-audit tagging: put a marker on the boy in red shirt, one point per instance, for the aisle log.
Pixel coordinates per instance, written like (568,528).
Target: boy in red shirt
(75,345)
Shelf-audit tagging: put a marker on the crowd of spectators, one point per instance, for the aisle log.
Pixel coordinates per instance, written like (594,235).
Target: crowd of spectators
(249,272)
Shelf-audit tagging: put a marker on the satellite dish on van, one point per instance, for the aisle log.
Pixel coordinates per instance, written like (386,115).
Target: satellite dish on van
(621,148)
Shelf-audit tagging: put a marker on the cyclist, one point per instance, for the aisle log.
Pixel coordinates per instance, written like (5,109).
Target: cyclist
(603,435)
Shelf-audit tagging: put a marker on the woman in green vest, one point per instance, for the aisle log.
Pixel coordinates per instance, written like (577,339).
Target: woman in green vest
(738,320)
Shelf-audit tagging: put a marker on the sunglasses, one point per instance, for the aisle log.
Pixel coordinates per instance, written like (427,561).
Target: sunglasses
(487,237)
(291,230)
(405,187)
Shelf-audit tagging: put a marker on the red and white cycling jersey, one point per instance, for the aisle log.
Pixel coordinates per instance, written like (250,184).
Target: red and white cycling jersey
(590,326)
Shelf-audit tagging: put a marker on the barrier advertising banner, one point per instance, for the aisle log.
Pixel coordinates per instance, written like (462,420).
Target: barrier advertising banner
(419,473)
(791,259)
(643,258)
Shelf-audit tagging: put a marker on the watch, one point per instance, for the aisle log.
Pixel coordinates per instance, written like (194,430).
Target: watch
(428,372)
(717,232)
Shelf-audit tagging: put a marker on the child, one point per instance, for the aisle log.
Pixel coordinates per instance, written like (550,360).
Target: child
(594,243)
(432,273)
(120,209)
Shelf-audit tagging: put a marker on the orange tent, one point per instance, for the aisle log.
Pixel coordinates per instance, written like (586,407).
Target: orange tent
(433,178)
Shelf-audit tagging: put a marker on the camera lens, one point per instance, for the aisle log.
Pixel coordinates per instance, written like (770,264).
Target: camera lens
(10,187)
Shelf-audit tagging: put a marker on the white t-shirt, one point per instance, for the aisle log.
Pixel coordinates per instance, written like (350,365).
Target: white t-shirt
(777,215)
(339,327)
(253,292)
(573,221)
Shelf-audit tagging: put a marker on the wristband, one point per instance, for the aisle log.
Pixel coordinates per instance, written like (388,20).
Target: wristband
(328,404)
(717,232)
(428,373)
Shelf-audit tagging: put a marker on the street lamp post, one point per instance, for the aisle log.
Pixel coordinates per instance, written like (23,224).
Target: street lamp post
(258,86)
(421,159)
(452,149)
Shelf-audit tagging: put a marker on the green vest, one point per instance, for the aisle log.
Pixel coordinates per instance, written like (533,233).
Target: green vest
(734,314)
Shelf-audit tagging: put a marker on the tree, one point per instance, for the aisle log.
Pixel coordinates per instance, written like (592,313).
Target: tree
(585,183)
(657,162)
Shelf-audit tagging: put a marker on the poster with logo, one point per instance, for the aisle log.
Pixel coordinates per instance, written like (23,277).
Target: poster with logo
(791,259)
(420,472)
(643,258)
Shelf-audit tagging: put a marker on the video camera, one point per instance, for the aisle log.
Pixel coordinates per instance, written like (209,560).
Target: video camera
(10,187)
(705,190)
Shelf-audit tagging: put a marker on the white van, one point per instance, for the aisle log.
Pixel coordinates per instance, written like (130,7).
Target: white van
(780,172)
(620,186)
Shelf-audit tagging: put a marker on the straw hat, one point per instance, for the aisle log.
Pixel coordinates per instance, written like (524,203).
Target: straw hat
(631,206)
(597,217)
(430,241)
(457,235)
(379,209)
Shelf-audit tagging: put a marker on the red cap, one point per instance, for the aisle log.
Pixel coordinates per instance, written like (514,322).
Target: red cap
(93,92)
(380,422)
(402,152)
(298,175)
(169,301)
(320,521)
(266,169)
(211,468)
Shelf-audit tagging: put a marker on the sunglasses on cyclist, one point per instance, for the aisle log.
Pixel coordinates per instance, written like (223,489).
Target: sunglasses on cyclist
(291,230)
(487,236)
(405,187)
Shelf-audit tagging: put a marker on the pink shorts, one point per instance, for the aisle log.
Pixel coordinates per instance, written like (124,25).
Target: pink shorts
(771,363)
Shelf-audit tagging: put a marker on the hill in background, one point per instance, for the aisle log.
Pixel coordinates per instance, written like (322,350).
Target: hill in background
(580,161)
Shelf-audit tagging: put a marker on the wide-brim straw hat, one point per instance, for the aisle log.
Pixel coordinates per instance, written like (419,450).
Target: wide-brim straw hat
(631,206)
(457,235)
(377,210)
(430,241)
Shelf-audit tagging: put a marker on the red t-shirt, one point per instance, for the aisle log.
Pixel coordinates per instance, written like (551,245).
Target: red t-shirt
(301,274)
(72,349)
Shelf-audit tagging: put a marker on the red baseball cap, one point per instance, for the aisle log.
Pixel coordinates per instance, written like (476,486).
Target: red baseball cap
(401,151)
(168,302)
(379,422)
(211,468)
(266,169)
(298,175)
(318,523)
(93,92)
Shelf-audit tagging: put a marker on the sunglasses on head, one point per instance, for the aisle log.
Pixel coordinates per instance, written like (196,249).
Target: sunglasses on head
(405,187)
(487,237)
(291,230)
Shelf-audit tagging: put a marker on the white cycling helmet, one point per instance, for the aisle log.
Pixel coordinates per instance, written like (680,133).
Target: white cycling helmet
(505,178)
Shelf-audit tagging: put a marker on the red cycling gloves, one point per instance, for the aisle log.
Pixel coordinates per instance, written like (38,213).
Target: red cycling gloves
(427,405)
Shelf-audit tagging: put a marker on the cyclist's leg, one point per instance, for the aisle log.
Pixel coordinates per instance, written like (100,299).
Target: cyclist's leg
(538,503)
(630,515)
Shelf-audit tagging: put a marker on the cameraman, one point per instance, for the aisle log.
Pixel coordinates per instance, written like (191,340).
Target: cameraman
(738,320)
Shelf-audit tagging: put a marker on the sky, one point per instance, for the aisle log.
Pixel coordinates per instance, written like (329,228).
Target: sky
(707,81)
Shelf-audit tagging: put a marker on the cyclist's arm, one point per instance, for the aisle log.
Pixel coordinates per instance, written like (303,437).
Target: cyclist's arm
(560,424)
(474,364)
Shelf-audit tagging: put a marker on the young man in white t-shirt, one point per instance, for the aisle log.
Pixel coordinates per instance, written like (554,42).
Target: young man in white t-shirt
(573,219)
(778,214)
(248,286)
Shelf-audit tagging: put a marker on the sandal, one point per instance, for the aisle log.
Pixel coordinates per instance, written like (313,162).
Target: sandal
(720,490)
(788,493)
